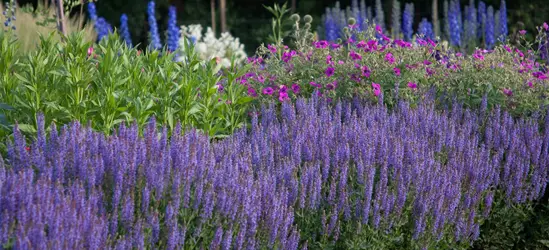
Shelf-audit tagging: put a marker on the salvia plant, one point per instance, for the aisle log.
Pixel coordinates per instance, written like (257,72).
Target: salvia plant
(307,174)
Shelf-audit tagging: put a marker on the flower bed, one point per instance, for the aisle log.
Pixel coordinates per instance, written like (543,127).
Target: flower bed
(312,176)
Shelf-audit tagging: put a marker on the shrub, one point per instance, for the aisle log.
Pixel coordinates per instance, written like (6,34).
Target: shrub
(392,69)
(353,176)
(109,83)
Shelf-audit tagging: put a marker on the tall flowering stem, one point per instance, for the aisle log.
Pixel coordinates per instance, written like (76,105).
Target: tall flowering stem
(154,37)
(125,30)
(502,27)
(489,33)
(454,16)
(407,21)
(173,30)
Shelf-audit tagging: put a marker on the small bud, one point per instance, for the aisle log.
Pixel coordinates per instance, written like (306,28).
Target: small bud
(295,17)
(339,41)
(346,29)
(351,21)
(307,18)
(307,26)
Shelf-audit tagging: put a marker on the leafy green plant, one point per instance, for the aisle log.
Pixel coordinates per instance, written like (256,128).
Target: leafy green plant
(108,83)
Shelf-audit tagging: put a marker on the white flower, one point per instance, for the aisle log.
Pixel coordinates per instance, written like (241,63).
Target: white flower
(209,47)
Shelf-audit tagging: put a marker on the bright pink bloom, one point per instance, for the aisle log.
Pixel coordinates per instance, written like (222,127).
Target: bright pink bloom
(546,26)
(329,72)
(365,71)
(251,92)
(522,32)
(321,44)
(530,84)
(268,91)
(328,59)
(283,96)
(389,58)
(377,88)
(90,51)
(361,44)
(412,85)
(539,75)
(283,88)
(271,48)
(295,88)
(330,86)
(426,62)
(507,92)
(340,62)
(314,84)
(355,56)
(397,71)
(378,29)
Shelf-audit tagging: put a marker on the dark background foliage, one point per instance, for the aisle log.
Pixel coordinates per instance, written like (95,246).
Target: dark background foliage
(249,21)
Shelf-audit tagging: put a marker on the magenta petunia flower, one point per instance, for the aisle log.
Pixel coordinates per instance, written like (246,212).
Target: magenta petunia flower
(340,62)
(355,56)
(328,59)
(321,44)
(295,88)
(271,48)
(412,85)
(530,84)
(251,92)
(361,44)
(426,62)
(522,32)
(378,29)
(539,75)
(377,88)
(329,72)
(283,96)
(268,91)
(546,26)
(336,45)
(330,86)
(314,84)
(389,58)
(507,92)
(365,71)
(283,88)
(287,56)
(397,71)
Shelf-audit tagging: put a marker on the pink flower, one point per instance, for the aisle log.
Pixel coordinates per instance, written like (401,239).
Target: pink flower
(260,78)
(539,75)
(251,92)
(365,71)
(328,59)
(268,91)
(330,86)
(90,51)
(361,44)
(321,44)
(378,29)
(546,26)
(507,48)
(295,88)
(283,88)
(397,71)
(429,71)
(314,84)
(340,62)
(426,62)
(335,46)
(377,88)
(271,48)
(459,54)
(522,32)
(507,92)
(530,84)
(412,85)
(355,56)
(389,58)
(329,71)
(287,56)
(283,96)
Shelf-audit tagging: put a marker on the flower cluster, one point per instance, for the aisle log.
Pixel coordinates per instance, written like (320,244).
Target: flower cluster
(208,46)
(433,175)
(9,15)
(154,36)
(173,30)
(125,30)
(102,27)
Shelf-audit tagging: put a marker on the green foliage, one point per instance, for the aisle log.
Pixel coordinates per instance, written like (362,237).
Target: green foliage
(279,23)
(115,84)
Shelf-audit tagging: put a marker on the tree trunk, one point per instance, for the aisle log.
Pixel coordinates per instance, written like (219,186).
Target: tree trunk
(223,17)
(61,17)
(212,10)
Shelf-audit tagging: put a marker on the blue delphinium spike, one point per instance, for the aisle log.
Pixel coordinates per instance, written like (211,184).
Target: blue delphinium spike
(426,29)
(489,34)
(103,28)
(454,15)
(481,19)
(92,11)
(124,30)
(502,29)
(173,30)
(407,20)
(395,24)
(153,28)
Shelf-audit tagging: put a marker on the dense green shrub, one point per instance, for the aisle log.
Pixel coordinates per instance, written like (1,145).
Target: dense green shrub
(108,83)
